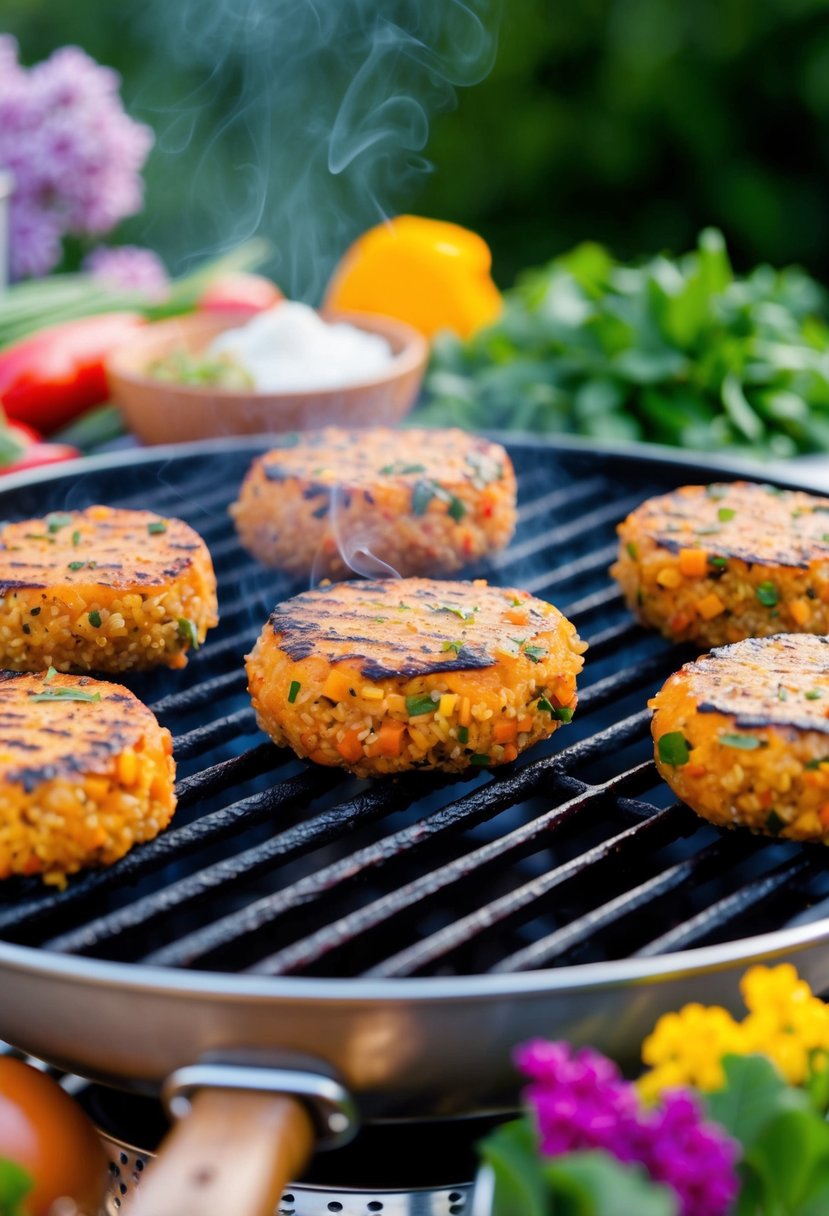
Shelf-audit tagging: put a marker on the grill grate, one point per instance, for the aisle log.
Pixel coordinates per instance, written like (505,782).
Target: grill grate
(574,854)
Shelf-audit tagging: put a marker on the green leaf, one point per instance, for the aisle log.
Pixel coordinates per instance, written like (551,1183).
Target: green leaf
(745,420)
(596,1184)
(791,1157)
(745,743)
(520,1187)
(15,1184)
(754,1093)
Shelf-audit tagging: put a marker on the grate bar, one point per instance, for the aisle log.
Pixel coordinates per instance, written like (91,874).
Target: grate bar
(692,932)
(564,534)
(469,865)
(303,837)
(543,506)
(195,742)
(508,907)
(645,895)
(196,696)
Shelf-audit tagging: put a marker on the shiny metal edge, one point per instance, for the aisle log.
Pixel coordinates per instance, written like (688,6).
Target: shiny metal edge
(96,973)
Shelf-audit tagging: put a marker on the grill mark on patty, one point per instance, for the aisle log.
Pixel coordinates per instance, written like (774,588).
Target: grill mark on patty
(411,638)
(743,682)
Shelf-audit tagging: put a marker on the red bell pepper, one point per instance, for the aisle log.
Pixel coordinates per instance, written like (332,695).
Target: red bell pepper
(239,292)
(22,448)
(49,378)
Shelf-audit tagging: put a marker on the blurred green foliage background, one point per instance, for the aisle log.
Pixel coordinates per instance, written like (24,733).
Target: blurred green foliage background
(631,122)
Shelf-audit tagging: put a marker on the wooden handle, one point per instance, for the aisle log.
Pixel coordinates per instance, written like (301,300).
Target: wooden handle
(234,1153)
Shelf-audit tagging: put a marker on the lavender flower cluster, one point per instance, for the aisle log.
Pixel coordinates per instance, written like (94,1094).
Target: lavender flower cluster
(76,156)
(582,1102)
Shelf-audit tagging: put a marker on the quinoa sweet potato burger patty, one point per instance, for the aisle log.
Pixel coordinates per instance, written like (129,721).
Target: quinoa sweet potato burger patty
(742,735)
(718,563)
(385,676)
(85,772)
(103,590)
(418,501)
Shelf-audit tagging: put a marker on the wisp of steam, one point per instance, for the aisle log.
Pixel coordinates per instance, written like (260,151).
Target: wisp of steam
(323,111)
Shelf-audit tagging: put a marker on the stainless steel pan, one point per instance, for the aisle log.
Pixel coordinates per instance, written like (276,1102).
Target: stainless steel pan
(295,1059)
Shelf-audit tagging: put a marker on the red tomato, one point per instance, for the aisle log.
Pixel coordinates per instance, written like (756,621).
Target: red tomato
(46,1133)
(239,292)
(52,376)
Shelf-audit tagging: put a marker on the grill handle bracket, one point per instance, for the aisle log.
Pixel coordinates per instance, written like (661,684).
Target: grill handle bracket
(332,1108)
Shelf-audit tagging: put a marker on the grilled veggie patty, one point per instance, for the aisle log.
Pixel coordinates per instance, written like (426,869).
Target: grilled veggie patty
(742,735)
(103,590)
(421,502)
(85,773)
(380,677)
(714,564)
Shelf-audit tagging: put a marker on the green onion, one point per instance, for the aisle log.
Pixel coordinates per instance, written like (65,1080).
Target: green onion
(565,714)
(456,509)
(724,514)
(187,630)
(456,647)
(95,618)
(814,694)
(76,538)
(463,734)
(814,764)
(403,468)
(64,694)
(545,705)
(293,691)
(76,565)
(422,494)
(415,706)
(478,758)
(767,593)
(674,748)
(38,536)
(156,527)
(782,694)
(535,653)
(747,743)
(460,613)
(51,672)
(720,562)
(57,520)
(632,550)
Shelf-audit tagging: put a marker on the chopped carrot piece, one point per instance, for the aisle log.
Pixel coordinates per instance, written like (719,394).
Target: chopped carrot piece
(693,563)
(510,752)
(766,799)
(336,686)
(127,765)
(823,815)
(350,747)
(679,621)
(390,737)
(710,606)
(799,611)
(505,732)
(517,616)
(525,724)
(465,716)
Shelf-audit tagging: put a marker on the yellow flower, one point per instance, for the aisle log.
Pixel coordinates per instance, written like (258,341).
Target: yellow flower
(686,1048)
(786,1022)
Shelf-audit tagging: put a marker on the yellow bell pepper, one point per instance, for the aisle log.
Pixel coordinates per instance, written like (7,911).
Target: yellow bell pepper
(430,273)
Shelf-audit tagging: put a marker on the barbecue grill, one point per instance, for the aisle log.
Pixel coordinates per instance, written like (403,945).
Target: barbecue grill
(297,929)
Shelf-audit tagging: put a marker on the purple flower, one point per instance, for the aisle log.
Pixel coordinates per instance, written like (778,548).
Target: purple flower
(581,1101)
(75,155)
(130,268)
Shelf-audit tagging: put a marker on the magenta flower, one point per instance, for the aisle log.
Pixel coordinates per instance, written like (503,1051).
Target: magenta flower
(581,1101)
(75,155)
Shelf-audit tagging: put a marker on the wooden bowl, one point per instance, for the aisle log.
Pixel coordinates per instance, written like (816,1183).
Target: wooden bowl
(158,411)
